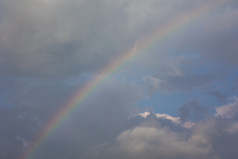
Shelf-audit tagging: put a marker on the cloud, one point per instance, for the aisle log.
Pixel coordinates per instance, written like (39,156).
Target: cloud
(220,96)
(175,120)
(15,132)
(101,129)
(49,38)
(179,73)
(153,143)
(71,40)
(188,124)
(161,142)
(233,129)
(209,138)
(208,42)
(192,111)
(98,119)
(144,115)
(228,110)
(153,84)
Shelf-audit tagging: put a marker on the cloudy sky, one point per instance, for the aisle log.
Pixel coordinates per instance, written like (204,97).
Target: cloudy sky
(176,98)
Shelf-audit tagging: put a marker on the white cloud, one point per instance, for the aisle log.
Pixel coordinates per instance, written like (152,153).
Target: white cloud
(152,143)
(229,110)
(144,115)
(175,120)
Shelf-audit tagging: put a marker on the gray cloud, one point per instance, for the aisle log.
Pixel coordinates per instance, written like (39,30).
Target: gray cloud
(69,37)
(220,96)
(99,119)
(228,110)
(215,37)
(58,37)
(179,73)
(101,128)
(70,40)
(192,111)
(161,142)
(210,138)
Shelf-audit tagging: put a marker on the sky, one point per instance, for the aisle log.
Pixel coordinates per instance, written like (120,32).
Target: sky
(132,79)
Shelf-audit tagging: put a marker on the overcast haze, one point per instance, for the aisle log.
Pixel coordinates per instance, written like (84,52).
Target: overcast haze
(177,99)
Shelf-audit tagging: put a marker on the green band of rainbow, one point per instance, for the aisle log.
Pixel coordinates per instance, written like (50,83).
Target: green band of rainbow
(156,36)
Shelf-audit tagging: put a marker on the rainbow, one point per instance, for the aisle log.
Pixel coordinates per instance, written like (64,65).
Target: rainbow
(155,37)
